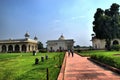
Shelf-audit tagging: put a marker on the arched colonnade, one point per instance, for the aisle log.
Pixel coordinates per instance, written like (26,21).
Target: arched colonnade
(18,47)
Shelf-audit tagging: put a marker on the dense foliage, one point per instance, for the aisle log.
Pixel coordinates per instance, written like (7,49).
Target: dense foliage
(40,45)
(115,47)
(107,24)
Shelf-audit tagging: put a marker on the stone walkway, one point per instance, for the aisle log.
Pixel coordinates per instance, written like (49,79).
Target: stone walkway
(79,68)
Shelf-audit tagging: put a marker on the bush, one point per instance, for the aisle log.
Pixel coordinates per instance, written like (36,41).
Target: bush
(43,50)
(105,59)
(78,51)
(117,65)
(115,47)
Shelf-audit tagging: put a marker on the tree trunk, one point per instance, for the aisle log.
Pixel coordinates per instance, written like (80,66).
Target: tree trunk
(108,44)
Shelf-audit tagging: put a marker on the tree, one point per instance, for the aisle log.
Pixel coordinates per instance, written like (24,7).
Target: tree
(40,45)
(77,46)
(97,28)
(107,24)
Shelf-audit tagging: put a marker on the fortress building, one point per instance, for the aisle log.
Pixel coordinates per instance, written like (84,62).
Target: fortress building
(60,45)
(19,45)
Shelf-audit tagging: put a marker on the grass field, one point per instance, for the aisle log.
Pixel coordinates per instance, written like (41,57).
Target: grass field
(98,52)
(111,58)
(21,66)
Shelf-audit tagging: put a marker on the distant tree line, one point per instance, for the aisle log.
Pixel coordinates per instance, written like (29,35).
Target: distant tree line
(41,47)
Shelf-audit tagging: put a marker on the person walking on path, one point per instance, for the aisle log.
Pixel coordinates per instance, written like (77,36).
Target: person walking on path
(72,52)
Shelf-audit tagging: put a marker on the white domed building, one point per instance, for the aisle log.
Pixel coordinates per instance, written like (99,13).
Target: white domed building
(60,45)
(19,45)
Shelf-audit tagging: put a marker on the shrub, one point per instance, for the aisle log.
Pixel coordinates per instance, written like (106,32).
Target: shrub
(115,47)
(117,65)
(93,57)
(105,59)
(78,51)
(43,50)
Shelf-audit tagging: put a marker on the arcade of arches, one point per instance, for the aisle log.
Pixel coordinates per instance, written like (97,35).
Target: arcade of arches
(18,47)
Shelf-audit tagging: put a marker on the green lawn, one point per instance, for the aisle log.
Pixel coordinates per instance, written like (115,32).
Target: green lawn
(98,52)
(111,58)
(21,66)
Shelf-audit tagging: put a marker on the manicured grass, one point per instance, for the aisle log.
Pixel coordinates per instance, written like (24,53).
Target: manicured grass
(98,52)
(21,66)
(111,58)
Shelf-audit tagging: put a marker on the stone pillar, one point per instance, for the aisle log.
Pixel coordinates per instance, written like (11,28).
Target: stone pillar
(0,48)
(13,48)
(20,48)
(36,47)
(7,48)
(27,48)
(33,47)
(30,48)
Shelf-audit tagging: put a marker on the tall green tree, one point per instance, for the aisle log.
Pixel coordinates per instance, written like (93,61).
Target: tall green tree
(97,28)
(40,45)
(107,24)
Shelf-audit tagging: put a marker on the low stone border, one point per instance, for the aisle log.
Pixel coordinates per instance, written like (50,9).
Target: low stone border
(105,65)
(61,74)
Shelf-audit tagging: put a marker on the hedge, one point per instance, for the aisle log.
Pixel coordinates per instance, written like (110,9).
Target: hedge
(106,60)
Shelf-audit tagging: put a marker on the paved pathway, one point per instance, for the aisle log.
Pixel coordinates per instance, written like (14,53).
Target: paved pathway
(79,68)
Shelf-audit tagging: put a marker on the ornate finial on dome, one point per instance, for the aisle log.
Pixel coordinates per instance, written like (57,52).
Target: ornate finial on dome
(27,35)
(62,37)
(35,38)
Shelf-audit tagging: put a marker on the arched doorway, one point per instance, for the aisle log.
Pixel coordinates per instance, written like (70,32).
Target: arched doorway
(60,48)
(115,42)
(51,49)
(24,48)
(17,48)
(4,49)
(10,48)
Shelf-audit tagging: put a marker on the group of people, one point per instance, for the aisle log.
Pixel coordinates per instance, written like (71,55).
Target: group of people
(70,52)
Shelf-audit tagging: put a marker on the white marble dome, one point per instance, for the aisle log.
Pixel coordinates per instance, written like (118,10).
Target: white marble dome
(61,37)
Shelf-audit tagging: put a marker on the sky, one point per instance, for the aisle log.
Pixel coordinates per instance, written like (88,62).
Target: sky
(49,19)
